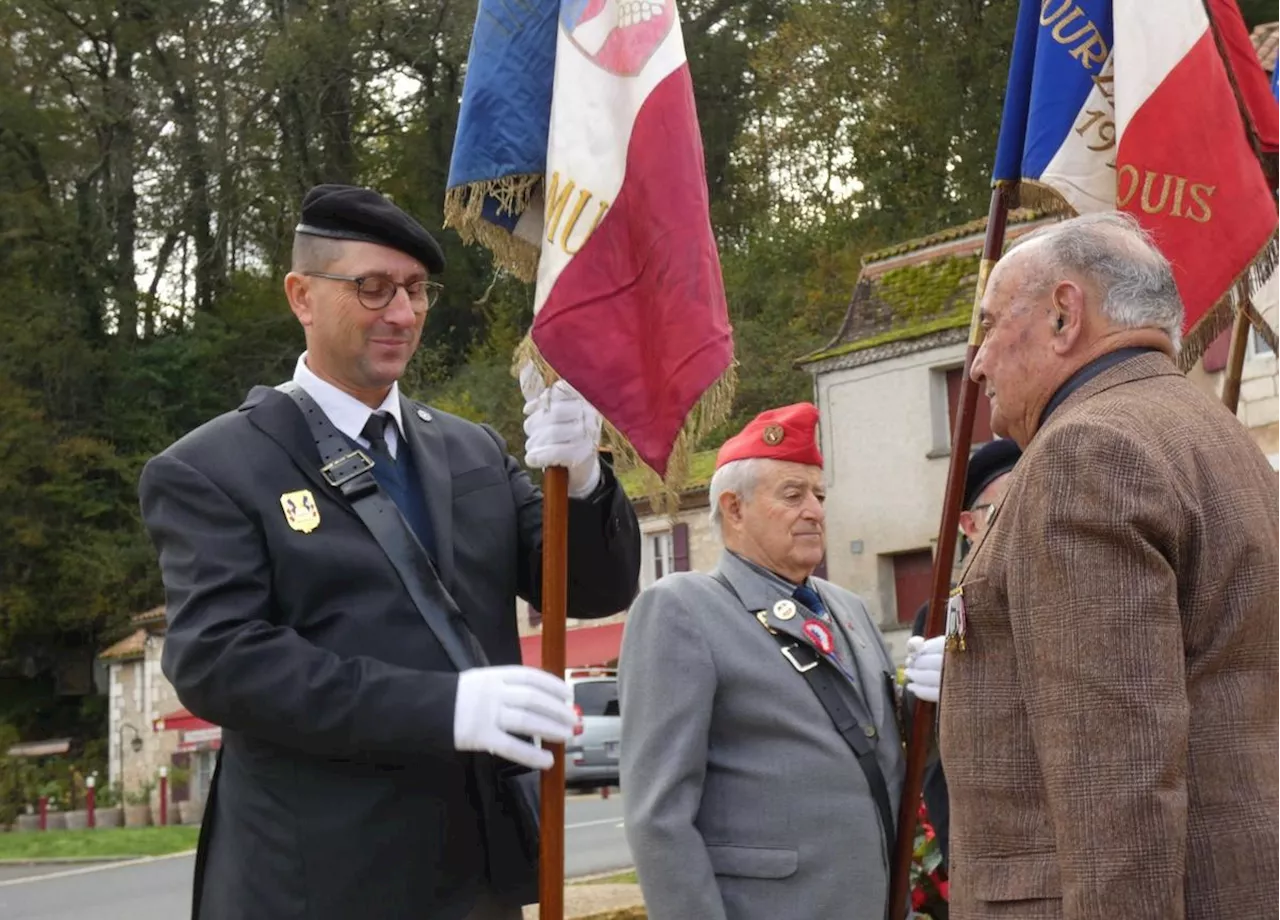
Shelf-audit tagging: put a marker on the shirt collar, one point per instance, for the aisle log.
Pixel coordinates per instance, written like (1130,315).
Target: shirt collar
(774,577)
(348,414)
(1087,373)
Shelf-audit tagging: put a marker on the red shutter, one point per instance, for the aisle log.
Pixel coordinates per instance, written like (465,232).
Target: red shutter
(1215,356)
(680,547)
(912,580)
(981,423)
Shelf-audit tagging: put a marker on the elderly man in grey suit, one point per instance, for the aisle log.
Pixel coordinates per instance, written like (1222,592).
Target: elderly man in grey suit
(743,798)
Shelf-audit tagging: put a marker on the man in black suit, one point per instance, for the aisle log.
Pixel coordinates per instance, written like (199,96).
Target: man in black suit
(358,772)
(984,486)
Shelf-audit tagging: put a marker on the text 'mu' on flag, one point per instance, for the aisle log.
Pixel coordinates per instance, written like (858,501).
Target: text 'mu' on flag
(1111,105)
(604,202)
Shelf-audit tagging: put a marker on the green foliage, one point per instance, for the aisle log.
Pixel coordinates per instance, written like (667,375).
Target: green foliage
(152,157)
(1257,12)
(141,795)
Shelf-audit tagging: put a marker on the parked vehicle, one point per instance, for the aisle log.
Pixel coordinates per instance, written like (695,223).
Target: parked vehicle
(591,757)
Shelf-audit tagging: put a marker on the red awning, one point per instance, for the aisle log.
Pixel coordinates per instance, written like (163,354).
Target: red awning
(181,720)
(585,646)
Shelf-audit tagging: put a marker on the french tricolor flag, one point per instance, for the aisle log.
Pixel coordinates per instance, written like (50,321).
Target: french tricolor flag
(629,305)
(1150,109)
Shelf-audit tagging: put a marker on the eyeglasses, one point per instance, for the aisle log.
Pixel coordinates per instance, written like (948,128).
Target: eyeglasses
(376,291)
(985,508)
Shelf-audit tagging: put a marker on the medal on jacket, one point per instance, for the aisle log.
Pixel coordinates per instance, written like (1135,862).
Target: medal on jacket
(956,621)
(820,636)
(300,510)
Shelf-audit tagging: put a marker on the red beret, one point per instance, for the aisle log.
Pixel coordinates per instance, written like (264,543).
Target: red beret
(789,433)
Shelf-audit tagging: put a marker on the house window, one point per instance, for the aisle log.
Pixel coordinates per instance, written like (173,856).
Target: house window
(912,582)
(981,422)
(662,555)
(1258,347)
(665,551)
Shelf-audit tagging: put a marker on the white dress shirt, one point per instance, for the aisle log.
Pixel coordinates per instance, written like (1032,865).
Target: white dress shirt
(348,414)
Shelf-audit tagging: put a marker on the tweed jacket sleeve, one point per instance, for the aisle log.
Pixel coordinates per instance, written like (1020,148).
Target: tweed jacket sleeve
(1093,599)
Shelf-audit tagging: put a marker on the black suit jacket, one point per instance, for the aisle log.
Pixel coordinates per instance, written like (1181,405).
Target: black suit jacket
(339,793)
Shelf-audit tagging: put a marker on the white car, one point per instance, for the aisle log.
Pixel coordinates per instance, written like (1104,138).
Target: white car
(591,756)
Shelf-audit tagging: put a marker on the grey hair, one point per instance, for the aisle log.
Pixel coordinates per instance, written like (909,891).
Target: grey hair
(1112,250)
(738,477)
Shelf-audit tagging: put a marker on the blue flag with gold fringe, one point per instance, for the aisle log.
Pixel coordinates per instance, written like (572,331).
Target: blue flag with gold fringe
(500,150)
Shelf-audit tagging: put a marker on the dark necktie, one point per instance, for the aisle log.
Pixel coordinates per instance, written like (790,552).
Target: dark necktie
(809,598)
(375,432)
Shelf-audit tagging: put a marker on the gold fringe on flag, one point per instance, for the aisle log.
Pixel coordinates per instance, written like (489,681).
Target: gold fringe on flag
(1219,317)
(462,208)
(1041,198)
(711,409)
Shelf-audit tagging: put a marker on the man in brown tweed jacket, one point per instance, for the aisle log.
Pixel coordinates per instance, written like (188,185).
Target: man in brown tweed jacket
(1110,725)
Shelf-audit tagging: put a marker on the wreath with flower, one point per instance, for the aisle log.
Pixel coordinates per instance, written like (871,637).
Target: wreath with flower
(929,885)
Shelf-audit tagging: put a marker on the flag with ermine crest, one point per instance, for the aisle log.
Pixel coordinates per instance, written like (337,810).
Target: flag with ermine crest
(578,162)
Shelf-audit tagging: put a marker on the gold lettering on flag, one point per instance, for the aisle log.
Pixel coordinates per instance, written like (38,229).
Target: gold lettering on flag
(1089,46)
(1098,123)
(1171,193)
(557,200)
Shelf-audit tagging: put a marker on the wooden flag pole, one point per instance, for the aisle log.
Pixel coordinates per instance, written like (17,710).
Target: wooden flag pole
(961,440)
(555,584)
(1235,358)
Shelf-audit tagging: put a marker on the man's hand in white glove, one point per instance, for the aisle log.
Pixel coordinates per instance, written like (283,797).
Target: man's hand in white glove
(495,704)
(561,429)
(924,666)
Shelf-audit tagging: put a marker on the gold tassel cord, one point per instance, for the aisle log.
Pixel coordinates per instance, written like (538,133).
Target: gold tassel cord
(711,409)
(1219,317)
(462,211)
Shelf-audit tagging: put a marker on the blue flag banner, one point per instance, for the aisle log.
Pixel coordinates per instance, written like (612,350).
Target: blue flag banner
(500,150)
(1057,133)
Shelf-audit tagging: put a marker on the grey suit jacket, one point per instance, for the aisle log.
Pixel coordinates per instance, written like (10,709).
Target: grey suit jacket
(741,799)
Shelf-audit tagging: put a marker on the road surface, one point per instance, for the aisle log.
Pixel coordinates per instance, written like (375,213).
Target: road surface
(160,889)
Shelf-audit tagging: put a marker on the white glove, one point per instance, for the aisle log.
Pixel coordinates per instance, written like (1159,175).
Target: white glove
(495,704)
(561,429)
(924,666)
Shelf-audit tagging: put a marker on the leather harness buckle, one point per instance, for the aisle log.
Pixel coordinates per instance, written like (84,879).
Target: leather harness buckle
(346,468)
(789,653)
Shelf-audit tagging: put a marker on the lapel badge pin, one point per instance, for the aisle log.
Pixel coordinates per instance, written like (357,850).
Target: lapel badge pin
(424,415)
(300,510)
(819,635)
(957,621)
(784,610)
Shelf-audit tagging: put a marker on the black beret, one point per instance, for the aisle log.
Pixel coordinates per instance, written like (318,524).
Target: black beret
(344,212)
(989,462)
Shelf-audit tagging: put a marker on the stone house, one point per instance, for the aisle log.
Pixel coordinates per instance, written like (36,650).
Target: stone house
(142,704)
(891,376)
